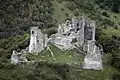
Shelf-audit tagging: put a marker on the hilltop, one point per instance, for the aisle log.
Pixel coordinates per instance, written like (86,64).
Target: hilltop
(17,16)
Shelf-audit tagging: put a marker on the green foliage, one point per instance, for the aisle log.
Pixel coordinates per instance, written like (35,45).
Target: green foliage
(63,57)
(116,59)
(109,4)
(50,31)
(104,13)
(71,6)
(17,16)
(51,71)
(116,76)
(13,43)
(111,46)
(76,13)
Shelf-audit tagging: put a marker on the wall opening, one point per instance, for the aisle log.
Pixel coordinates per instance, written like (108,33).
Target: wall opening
(37,41)
(77,24)
(32,32)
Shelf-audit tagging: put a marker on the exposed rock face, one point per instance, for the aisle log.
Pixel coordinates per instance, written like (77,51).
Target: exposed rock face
(38,40)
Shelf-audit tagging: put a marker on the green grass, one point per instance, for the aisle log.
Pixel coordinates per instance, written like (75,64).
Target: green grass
(115,18)
(59,14)
(111,31)
(50,71)
(67,57)
(106,74)
(75,73)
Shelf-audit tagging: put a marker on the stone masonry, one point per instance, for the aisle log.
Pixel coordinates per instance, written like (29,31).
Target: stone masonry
(75,32)
(38,41)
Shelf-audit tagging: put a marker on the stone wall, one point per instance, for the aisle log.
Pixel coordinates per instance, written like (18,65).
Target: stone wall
(83,30)
(93,58)
(38,41)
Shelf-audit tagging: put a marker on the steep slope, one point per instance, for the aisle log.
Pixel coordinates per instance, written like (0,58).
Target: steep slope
(16,16)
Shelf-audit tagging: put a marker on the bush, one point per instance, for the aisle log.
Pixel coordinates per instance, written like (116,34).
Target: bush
(71,6)
(104,13)
(116,59)
(116,76)
(107,59)
(9,66)
(76,13)
(50,31)
(60,1)
(108,22)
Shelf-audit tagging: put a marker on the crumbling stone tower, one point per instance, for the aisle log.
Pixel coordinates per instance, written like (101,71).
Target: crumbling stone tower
(38,41)
(78,24)
(89,30)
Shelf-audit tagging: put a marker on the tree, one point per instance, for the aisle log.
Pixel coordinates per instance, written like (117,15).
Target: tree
(104,13)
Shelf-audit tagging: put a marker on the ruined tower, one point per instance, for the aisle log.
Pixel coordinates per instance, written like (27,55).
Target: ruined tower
(89,30)
(93,58)
(38,41)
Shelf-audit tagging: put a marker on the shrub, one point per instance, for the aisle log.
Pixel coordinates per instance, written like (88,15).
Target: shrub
(104,13)
(71,6)
(108,22)
(76,13)
(60,1)
(50,31)
(116,76)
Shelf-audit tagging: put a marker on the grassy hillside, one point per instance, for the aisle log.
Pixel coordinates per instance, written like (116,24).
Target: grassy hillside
(72,57)
(16,18)
(50,71)
(61,13)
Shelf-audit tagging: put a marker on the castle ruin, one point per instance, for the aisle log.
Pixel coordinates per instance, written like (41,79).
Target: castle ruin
(78,32)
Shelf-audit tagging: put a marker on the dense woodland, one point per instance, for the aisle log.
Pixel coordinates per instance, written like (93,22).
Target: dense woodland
(17,16)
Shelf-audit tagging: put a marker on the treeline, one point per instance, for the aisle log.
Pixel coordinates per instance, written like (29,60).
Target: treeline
(16,16)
